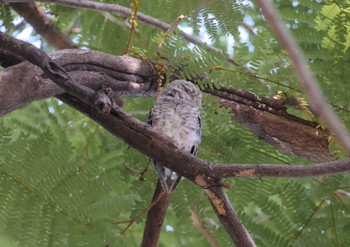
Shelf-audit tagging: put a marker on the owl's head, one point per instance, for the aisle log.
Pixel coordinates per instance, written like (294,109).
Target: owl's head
(184,90)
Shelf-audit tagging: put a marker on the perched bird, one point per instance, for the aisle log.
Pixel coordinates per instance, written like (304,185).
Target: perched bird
(177,115)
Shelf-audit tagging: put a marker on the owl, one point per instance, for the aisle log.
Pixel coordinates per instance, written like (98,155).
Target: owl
(177,115)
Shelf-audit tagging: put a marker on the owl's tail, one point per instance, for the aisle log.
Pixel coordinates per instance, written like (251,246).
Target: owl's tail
(168,178)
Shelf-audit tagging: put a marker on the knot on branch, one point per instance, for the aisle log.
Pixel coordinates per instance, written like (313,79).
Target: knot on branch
(206,182)
(103,102)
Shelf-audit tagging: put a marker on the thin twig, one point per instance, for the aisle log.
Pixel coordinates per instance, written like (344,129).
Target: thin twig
(126,12)
(155,218)
(342,193)
(306,223)
(155,145)
(133,20)
(143,173)
(201,227)
(122,24)
(168,32)
(304,74)
(130,222)
(130,168)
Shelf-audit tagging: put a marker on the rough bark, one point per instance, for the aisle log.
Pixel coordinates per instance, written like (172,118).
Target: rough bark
(269,121)
(127,76)
(160,148)
(292,137)
(253,117)
(133,132)
(155,218)
(304,74)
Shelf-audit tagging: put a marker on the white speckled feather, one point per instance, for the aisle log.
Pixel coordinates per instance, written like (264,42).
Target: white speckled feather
(177,114)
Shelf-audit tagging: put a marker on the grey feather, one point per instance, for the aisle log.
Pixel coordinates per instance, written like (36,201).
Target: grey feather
(177,115)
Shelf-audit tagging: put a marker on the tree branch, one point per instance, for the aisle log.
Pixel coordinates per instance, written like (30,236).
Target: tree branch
(160,148)
(90,97)
(268,119)
(8,59)
(283,131)
(129,76)
(126,12)
(202,173)
(305,76)
(25,83)
(155,218)
(54,36)
(54,71)
(43,25)
(228,217)
(201,227)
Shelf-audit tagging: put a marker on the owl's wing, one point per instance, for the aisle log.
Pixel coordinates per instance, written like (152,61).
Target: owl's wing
(168,178)
(194,148)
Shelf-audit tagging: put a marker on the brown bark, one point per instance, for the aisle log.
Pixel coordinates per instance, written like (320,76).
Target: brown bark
(252,117)
(293,137)
(283,131)
(269,120)
(43,25)
(127,76)
(25,83)
(225,211)
(304,74)
(155,218)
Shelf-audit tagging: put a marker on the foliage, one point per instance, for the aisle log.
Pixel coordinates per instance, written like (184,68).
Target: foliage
(64,180)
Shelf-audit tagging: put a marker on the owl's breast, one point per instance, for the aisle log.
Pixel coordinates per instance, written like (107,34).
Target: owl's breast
(179,122)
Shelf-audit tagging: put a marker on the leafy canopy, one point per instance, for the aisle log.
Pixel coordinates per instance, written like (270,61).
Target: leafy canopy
(64,180)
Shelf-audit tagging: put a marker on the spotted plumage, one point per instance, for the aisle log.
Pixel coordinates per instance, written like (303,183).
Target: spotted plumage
(177,115)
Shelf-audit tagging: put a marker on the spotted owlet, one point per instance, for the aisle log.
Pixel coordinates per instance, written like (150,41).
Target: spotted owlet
(177,115)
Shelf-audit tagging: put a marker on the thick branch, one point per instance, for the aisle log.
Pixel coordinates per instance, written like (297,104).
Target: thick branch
(162,149)
(300,139)
(8,59)
(22,84)
(228,217)
(304,74)
(54,71)
(268,119)
(148,141)
(200,171)
(143,137)
(43,25)
(155,218)
(25,83)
